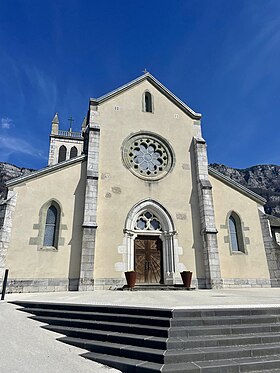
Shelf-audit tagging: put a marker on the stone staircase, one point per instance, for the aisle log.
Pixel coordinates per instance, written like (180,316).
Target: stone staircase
(134,339)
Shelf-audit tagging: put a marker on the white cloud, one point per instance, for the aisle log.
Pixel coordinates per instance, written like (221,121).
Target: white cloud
(6,123)
(11,145)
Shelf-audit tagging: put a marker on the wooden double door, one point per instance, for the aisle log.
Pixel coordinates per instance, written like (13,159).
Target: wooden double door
(148,259)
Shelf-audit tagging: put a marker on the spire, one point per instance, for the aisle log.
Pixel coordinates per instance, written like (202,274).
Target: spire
(55,119)
(55,124)
(84,124)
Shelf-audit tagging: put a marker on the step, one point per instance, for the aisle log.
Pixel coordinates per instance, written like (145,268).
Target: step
(117,337)
(220,353)
(109,326)
(221,312)
(224,320)
(225,330)
(97,316)
(265,364)
(125,365)
(144,311)
(222,340)
(117,349)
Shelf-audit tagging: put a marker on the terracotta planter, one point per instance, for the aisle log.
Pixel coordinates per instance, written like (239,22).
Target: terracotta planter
(186,278)
(130,278)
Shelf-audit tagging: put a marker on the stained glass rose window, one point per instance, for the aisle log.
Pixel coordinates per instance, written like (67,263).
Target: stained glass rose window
(148,156)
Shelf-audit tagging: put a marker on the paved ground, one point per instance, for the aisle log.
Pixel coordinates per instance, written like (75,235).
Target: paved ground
(27,348)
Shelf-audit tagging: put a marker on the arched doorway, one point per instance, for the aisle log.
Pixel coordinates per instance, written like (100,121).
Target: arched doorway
(149,233)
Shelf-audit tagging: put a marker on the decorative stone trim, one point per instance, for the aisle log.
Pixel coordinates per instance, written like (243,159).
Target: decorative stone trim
(147,155)
(245,240)
(167,234)
(40,227)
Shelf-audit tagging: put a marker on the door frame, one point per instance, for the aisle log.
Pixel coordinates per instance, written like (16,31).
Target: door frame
(166,235)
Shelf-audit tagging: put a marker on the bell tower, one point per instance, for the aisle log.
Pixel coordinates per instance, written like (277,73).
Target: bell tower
(64,145)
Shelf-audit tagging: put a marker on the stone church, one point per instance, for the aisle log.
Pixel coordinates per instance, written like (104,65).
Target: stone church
(133,191)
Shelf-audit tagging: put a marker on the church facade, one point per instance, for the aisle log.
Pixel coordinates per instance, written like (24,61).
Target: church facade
(133,191)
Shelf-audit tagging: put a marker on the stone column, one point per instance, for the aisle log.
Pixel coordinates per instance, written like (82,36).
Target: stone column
(89,224)
(207,217)
(168,252)
(6,213)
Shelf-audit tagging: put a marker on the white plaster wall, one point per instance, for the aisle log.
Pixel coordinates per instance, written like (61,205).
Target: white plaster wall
(240,265)
(119,189)
(24,259)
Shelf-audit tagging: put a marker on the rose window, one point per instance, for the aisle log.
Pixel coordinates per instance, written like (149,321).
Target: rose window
(148,156)
(148,222)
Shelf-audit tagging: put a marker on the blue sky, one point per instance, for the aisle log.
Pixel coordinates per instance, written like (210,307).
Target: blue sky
(221,57)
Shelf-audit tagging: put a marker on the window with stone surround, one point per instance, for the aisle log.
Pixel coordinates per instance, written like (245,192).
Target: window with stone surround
(147,102)
(50,238)
(235,233)
(49,226)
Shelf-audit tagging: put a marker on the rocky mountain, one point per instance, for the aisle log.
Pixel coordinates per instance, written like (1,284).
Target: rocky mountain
(261,179)
(10,171)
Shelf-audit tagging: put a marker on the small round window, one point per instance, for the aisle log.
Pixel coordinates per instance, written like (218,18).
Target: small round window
(147,155)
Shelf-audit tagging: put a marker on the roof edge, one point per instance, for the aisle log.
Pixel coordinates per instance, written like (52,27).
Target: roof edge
(240,188)
(44,171)
(158,85)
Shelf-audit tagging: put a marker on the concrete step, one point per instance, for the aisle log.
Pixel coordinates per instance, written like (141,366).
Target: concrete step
(224,320)
(125,365)
(144,311)
(99,316)
(224,330)
(117,349)
(115,337)
(104,325)
(222,340)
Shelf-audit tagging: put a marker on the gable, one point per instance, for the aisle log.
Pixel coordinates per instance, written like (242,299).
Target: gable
(157,85)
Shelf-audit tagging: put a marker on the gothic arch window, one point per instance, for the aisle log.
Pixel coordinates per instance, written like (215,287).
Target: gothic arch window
(73,152)
(148,221)
(51,227)
(235,233)
(148,102)
(62,153)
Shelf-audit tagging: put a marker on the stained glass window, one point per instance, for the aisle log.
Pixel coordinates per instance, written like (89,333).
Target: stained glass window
(148,222)
(50,227)
(148,156)
(236,239)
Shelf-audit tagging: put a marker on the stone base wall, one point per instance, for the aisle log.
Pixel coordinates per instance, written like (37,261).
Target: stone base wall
(246,283)
(41,285)
(109,283)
